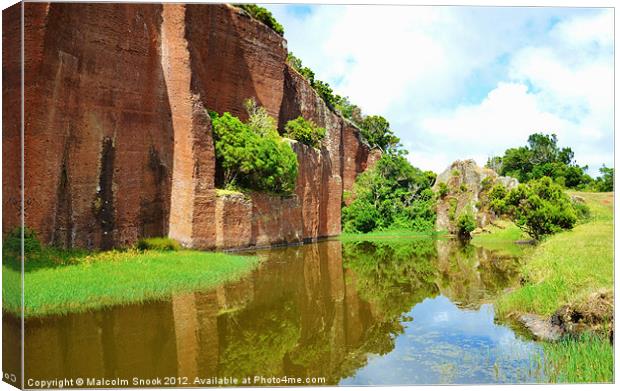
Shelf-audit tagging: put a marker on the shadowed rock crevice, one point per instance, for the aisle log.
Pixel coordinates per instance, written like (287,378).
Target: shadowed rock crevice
(152,206)
(103,205)
(63,232)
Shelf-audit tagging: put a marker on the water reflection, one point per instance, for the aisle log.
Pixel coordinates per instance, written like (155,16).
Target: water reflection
(402,312)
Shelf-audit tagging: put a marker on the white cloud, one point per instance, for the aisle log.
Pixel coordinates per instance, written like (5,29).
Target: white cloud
(505,118)
(460,82)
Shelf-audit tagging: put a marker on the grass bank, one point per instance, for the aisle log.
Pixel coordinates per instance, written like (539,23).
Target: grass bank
(502,237)
(567,269)
(59,282)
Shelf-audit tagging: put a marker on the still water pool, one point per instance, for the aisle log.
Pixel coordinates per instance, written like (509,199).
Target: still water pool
(414,311)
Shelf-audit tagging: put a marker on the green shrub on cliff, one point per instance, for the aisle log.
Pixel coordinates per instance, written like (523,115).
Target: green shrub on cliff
(349,110)
(263,15)
(305,131)
(259,121)
(465,225)
(296,63)
(392,195)
(376,130)
(247,159)
(323,89)
(443,190)
(325,92)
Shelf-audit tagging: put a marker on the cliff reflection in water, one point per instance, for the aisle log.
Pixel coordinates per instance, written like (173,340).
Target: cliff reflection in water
(315,310)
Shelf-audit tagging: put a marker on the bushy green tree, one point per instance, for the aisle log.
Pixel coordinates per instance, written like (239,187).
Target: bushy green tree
(259,121)
(539,207)
(264,15)
(465,225)
(542,157)
(325,92)
(376,130)
(393,194)
(348,110)
(606,181)
(252,160)
(305,131)
(497,198)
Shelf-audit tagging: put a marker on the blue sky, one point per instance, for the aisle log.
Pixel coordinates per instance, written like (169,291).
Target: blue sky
(467,82)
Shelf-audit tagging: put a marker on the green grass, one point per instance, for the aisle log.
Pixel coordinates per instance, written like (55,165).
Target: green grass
(586,359)
(567,267)
(60,282)
(225,192)
(502,238)
(159,244)
(384,235)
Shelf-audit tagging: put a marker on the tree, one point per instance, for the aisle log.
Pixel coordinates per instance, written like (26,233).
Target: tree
(517,163)
(606,181)
(543,148)
(348,110)
(494,163)
(539,208)
(305,131)
(259,121)
(325,92)
(251,160)
(542,157)
(376,130)
(393,194)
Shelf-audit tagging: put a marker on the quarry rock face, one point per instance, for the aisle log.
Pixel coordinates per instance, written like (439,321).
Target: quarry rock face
(468,186)
(117,141)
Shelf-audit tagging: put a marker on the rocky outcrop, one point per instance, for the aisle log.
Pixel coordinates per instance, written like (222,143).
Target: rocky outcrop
(466,191)
(592,314)
(117,142)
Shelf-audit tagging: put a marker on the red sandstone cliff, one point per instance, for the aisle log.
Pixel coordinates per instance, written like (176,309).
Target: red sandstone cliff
(117,142)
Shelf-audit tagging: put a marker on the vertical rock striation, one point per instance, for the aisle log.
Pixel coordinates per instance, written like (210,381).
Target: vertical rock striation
(118,143)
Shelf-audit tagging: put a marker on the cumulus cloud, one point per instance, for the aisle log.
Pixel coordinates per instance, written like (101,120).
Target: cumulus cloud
(467,82)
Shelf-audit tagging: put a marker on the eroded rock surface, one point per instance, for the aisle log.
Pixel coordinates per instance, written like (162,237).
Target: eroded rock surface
(468,186)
